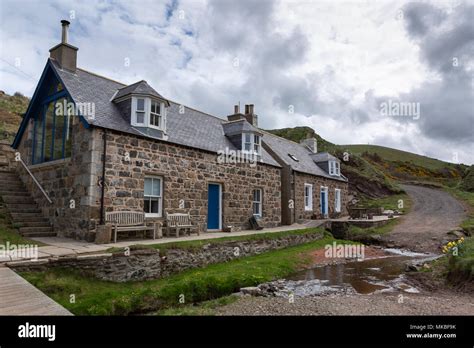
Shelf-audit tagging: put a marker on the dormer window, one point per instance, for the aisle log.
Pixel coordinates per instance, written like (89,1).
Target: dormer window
(148,112)
(334,168)
(140,111)
(155,114)
(251,143)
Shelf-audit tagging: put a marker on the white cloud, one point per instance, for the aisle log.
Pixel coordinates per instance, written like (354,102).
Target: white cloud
(330,60)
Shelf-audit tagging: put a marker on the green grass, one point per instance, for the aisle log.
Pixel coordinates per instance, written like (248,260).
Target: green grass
(355,231)
(204,308)
(468,198)
(390,154)
(197,244)
(389,202)
(97,297)
(8,233)
(460,268)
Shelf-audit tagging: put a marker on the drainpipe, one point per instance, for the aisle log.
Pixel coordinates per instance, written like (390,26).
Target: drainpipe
(104,159)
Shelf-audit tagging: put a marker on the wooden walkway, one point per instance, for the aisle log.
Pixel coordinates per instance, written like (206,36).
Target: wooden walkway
(18,297)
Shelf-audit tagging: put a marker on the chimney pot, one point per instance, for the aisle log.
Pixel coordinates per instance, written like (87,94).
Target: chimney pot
(65,54)
(65,25)
(236,109)
(251,109)
(247,108)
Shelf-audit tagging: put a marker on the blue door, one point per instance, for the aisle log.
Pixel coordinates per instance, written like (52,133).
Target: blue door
(323,202)
(213,206)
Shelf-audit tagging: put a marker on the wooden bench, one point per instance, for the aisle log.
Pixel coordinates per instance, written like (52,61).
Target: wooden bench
(128,221)
(180,221)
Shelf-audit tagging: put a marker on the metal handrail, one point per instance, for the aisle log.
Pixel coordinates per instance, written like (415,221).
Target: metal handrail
(36,181)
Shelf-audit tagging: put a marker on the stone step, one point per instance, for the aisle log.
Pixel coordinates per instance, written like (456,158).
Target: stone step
(15,188)
(18,199)
(24,230)
(39,234)
(9,176)
(22,208)
(26,216)
(17,193)
(11,183)
(34,210)
(37,223)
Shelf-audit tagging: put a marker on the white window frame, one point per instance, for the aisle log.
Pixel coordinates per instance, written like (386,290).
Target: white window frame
(160,115)
(147,117)
(337,200)
(308,199)
(334,168)
(252,143)
(260,202)
(134,112)
(160,197)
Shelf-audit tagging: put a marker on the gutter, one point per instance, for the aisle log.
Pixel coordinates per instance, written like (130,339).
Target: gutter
(102,197)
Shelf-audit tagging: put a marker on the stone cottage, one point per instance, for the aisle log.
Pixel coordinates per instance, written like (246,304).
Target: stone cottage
(96,145)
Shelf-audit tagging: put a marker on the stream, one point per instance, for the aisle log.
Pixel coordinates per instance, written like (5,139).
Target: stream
(381,274)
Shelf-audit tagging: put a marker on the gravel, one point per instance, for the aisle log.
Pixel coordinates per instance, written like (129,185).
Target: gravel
(335,304)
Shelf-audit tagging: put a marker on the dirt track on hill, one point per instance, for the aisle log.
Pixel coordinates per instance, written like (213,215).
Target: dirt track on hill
(433,214)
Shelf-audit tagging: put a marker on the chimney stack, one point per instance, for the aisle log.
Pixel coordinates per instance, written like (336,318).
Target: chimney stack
(250,115)
(65,54)
(311,144)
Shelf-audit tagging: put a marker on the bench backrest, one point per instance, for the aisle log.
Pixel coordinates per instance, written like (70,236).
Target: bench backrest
(178,219)
(125,218)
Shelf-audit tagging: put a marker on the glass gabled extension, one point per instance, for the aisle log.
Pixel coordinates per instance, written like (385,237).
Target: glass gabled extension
(52,117)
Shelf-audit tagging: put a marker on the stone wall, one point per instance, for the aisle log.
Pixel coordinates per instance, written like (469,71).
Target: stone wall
(317,182)
(71,183)
(186,173)
(151,264)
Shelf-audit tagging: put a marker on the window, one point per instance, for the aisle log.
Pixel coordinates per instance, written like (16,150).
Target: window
(155,114)
(308,197)
(247,142)
(257,202)
(334,168)
(251,143)
(337,202)
(140,111)
(293,157)
(256,144)
(153,197)
(52,132)
(147,112)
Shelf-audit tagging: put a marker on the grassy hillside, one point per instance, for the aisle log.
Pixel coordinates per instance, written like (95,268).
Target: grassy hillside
(12,107)
(407,166)
(365,179)
(297,134)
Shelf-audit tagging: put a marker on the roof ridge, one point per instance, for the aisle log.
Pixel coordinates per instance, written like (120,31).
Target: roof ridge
(103,77)
(135,83)
(277,136)
(202,112)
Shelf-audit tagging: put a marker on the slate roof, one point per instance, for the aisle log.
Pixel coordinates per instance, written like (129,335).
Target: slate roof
(323,157)
(239,126)
(283,148)
(191,128)
(140,87)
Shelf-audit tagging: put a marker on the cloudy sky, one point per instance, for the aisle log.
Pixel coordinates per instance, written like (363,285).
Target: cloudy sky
(334,66)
